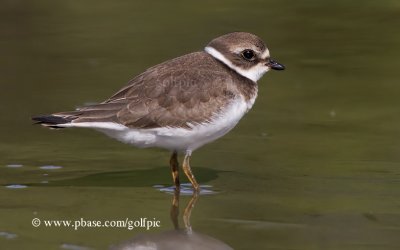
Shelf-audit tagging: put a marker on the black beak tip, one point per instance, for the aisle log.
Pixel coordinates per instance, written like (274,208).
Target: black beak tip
(275,65)
(278,67)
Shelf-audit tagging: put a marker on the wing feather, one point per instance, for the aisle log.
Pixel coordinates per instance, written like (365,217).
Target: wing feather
(180,92)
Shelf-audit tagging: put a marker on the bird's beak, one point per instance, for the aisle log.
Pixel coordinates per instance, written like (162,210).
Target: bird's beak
(275,65)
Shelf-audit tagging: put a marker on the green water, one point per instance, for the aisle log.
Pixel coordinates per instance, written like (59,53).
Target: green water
(314,165)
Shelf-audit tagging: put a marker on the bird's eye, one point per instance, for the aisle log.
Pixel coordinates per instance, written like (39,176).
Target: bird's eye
(248,54)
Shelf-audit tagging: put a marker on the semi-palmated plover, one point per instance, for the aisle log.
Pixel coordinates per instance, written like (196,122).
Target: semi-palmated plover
(183,103)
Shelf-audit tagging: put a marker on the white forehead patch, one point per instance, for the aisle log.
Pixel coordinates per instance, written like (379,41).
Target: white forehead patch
(254,73)
(265,54)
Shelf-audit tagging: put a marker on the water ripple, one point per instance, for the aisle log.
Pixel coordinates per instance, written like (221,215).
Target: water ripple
(186,189)
(8,235)
(14,165)
(50,167)
(16,186)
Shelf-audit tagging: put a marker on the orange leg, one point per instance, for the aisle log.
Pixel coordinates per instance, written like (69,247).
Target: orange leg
(188,172)
(173,162)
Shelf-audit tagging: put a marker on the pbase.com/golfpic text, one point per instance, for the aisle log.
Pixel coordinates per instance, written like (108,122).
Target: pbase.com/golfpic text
(130,224)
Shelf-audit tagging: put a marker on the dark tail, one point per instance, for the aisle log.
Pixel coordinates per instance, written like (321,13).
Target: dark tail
(51,121)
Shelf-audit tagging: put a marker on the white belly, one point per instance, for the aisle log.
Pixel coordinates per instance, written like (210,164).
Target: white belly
(179,139)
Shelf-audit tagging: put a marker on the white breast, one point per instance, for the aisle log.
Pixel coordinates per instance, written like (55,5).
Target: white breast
(180,139)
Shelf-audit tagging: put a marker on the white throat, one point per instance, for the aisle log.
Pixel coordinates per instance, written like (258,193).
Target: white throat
(254,73)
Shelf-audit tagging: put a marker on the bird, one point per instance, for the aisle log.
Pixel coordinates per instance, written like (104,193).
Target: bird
(180,104)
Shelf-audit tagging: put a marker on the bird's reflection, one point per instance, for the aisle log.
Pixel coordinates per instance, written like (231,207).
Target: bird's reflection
(176,239)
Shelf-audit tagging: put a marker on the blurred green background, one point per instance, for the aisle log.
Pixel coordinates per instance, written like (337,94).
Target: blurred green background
(314,165)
